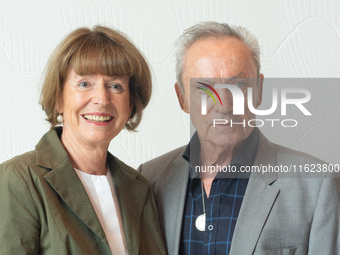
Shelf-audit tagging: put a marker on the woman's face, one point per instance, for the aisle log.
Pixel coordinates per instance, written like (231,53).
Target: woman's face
(95,108)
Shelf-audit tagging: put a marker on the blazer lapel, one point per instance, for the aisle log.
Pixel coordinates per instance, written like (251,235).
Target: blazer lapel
(257,202)
(64,180)
(131,206)
(175,188)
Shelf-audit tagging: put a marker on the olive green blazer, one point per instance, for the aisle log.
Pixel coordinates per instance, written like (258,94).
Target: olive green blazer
(44,208)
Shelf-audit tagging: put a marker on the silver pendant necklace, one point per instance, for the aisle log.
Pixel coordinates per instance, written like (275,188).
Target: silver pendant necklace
(200,221)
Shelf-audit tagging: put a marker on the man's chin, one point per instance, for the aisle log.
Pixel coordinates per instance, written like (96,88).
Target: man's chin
(224,140)
(223,126)
(226,136)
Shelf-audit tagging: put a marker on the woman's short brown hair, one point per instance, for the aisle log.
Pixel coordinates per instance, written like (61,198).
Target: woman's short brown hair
(98,51)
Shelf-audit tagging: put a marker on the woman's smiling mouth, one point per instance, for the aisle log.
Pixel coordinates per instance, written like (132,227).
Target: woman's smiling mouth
(97,118)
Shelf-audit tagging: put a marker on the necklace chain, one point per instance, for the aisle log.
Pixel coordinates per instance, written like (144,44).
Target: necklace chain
(200,220)
(203,196)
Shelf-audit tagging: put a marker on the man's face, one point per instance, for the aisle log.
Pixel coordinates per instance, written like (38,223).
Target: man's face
(228,61)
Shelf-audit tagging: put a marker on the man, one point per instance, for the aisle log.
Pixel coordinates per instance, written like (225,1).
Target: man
(262,214)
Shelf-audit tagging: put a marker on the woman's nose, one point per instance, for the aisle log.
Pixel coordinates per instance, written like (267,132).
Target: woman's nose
(101,96)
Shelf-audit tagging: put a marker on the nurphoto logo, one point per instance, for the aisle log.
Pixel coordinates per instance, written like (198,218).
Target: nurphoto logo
(239,103)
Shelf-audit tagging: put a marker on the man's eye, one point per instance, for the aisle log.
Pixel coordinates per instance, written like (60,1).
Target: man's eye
(239,84)
(203,87)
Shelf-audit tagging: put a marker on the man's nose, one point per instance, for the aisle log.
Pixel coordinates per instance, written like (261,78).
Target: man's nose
(226,99)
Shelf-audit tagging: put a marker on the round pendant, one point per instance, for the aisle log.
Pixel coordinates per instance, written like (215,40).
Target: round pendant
(200,222)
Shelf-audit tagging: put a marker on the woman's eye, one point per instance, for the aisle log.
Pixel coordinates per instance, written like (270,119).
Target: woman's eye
(117,87)
(83,84)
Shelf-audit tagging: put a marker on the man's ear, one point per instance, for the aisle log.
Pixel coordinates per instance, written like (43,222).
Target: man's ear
(181,98)
(259,90)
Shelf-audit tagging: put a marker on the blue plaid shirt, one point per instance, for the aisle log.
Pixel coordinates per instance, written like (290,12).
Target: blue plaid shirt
(222,207)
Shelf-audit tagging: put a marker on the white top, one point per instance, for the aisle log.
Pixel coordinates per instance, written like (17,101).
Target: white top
(101,191)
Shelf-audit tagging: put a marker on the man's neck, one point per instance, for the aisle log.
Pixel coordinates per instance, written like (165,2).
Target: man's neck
(212,155)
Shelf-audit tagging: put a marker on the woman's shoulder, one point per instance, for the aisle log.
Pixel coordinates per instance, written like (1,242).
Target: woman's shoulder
(22,172)
(21,163)
(18,178)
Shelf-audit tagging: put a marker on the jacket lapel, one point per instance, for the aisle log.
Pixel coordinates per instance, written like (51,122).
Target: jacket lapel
(257,203)
(175,189)
(64,180)
(131,206)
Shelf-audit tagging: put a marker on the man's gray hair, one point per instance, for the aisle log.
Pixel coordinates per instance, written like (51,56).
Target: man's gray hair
(213,29)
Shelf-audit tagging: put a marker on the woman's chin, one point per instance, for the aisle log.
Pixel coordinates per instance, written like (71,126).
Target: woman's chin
(99,138)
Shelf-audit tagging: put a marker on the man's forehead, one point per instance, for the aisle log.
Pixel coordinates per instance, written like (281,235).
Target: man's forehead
(224,51)
(225,80)
(223,42)
(234,77)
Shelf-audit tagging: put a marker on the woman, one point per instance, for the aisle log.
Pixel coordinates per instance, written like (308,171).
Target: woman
(70,195)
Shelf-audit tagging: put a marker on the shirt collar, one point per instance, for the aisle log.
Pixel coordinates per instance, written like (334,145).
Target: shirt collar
(246,156)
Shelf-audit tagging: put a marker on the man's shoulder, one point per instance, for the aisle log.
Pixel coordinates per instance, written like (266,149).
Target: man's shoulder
(288,154)
(167,157)
(162,163)
(267,149)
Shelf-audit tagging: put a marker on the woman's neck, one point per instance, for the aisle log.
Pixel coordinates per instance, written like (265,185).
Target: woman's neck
(89,159)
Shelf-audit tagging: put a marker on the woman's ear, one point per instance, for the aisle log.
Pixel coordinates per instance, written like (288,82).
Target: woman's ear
(59,104)
(131,109)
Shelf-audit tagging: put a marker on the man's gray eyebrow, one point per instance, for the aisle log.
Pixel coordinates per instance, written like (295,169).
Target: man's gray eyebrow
(208,80)
(239,75)
(212,80)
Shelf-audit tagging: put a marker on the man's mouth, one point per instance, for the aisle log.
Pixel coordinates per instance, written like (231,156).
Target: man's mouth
(96,118)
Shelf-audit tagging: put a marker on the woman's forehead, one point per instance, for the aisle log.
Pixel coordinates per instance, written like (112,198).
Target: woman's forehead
(91,65)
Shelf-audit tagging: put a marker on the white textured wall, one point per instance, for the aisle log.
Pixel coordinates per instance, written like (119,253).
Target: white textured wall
(298,39)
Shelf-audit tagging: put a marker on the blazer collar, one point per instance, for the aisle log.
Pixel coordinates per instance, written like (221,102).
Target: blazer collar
(50,152)
(64,180)
(258,200)
(131,195)
(266,156)
(174,200)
